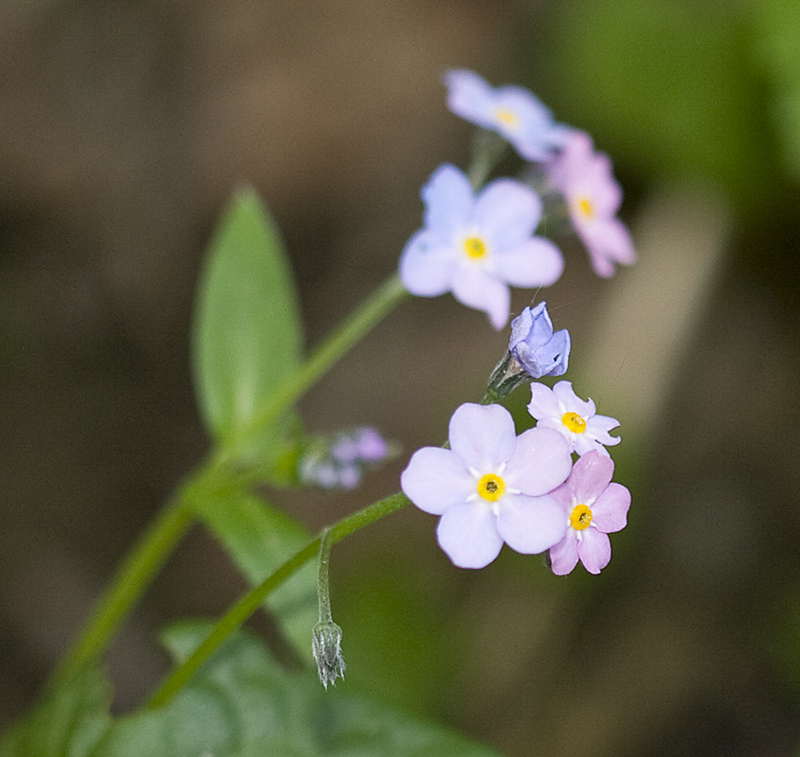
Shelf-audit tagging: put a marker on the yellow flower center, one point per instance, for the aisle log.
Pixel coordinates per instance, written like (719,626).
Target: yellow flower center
(491,487)
(574,422)
(581,517)
(507,117)
(585,207)
(475,247)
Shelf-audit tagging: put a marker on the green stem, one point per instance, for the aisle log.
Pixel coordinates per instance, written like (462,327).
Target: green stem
(156,544)
(323,579)
(359,323)
(132,577)
(251,601)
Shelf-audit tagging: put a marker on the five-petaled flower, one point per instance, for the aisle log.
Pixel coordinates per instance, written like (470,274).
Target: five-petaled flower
(593,198)
(514,112)
(561,409)
(475,246)
(491,486)
(593,507)
(539,350)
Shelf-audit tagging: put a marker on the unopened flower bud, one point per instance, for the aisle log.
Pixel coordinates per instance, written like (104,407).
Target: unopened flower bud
(326,644)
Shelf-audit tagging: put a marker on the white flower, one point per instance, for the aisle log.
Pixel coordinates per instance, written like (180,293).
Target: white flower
(561,409)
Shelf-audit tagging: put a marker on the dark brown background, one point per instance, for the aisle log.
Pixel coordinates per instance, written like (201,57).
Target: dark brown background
(124,126)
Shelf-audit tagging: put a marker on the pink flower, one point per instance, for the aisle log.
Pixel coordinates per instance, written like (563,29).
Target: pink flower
(594,507)
(593,198)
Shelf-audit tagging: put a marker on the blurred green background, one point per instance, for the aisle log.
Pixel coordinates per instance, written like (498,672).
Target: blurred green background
(123,129)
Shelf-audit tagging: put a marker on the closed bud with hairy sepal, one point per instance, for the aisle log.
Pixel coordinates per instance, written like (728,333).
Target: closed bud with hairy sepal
(327,647)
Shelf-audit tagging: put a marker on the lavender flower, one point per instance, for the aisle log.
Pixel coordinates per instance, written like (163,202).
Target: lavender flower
(490,487)
(539,350)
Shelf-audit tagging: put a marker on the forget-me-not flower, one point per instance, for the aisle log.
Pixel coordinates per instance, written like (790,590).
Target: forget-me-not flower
(561,409)
(593,507)
(491,486)
(512,111)
(477,245)
(593,197)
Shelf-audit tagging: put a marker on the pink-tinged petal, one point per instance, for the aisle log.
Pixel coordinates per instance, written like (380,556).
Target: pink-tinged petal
(530,525)
(536,263)
(427,266)
(468,535)
(470,96)
(590,476)
(507,212)
(610,509)
(436,479)
(543,403)
(564,555)
(483,436)
(448,199)
(475,288)
(540,463)
(571,401)
(594,550)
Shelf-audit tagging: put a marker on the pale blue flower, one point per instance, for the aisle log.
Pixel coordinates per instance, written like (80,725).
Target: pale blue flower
(476,245)
(513,112)
(490,486)
(534,345)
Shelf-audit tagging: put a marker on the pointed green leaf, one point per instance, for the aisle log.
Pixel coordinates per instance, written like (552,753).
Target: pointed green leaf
(247,332)
(260,538)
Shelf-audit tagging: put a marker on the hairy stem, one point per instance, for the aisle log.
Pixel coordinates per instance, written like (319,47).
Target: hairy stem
(251,601)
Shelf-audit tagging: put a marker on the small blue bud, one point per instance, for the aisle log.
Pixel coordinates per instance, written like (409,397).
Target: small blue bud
(536,348)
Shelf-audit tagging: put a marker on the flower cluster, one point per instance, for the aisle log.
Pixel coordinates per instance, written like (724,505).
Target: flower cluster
(338,462)
(477,242)
(548,488)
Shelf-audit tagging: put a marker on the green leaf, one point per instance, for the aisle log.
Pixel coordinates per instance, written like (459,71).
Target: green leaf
(260,538)
(240,704)
(247,332)
(68,723)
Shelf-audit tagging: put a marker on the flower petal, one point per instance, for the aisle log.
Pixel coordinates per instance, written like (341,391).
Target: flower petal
(483,436)
(610,509)
(594,550)
(475,288)
(468,535)
(471,97)
(540,463)
(536,263)
(427,265)
(448,199)
(564,555)
(543,402)
(590,476)
(530,525)
(565,394)
(436,479)
(508,212)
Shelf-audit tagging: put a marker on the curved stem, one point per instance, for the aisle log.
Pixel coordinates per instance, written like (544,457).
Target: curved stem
(131,579)
(251,601)
(359,323)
